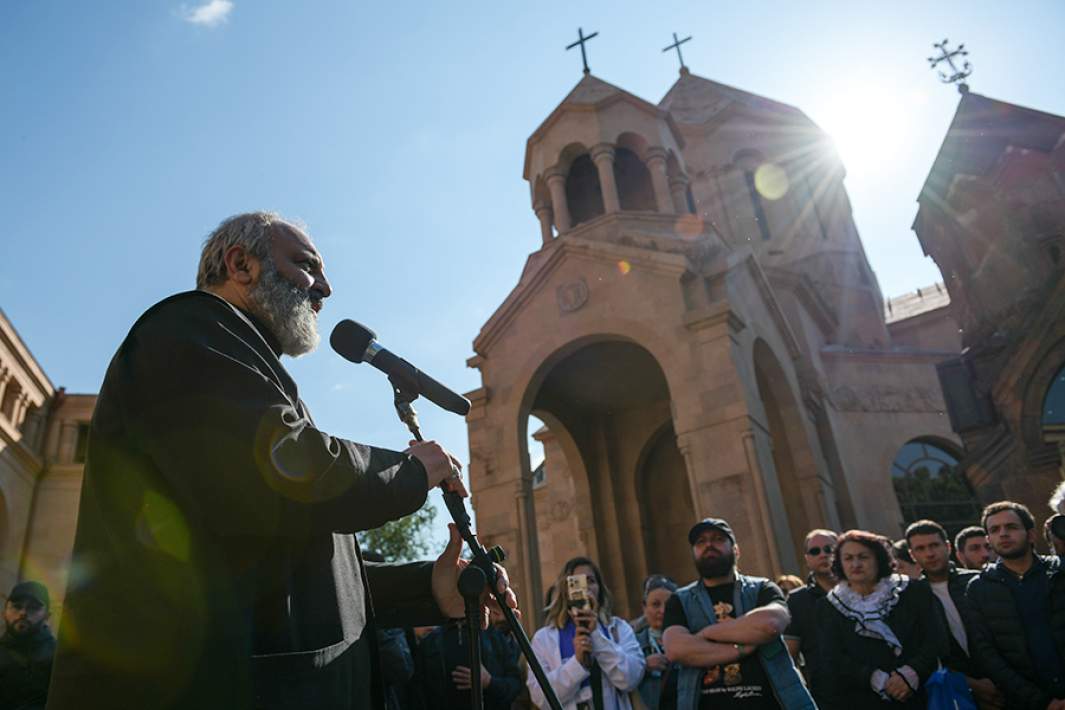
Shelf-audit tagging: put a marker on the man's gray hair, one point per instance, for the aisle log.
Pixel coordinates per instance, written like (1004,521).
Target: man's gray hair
(252,230)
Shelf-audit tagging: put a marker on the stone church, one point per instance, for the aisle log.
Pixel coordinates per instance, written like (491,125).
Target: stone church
(702,335)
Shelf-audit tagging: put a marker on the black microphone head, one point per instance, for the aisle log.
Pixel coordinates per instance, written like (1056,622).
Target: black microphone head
(350,339)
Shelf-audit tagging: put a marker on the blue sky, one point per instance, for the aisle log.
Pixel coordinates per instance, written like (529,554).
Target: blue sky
(396,131)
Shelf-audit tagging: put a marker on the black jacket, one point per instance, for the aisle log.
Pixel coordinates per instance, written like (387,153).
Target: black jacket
(215,563)
(954,656)
(997,639)
(25,666)
(846,660)
(802,604)
(448,647)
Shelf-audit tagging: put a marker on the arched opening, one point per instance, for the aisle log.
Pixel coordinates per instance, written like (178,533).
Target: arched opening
(793,460)
(666,502)
(602,399)
(1053,419)
(929,485)
(584,194)
(635,191)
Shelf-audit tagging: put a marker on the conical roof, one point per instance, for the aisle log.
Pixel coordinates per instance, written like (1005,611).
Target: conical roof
(696,100)
(591,90)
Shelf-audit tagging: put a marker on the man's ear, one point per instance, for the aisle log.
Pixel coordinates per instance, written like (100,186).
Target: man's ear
(736,550)
(241,267)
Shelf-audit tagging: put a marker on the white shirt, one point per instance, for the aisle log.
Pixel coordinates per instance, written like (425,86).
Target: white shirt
(619,657)
(957,628)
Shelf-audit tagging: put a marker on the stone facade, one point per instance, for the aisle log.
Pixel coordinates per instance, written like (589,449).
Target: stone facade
(992,216)
(701,334)
(43,438)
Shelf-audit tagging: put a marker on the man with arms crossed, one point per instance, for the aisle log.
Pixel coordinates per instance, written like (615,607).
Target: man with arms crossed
(725,631)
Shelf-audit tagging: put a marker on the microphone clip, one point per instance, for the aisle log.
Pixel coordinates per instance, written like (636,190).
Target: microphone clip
(404,401)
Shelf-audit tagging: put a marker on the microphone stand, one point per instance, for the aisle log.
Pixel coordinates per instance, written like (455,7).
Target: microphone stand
(479,573)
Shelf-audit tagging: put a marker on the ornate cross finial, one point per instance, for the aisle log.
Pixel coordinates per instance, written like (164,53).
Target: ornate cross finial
(956,75)
(676,45)
(581,39)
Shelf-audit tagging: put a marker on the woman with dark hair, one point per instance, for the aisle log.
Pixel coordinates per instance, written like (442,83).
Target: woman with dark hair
(880,636)
(658,689)
(591,657)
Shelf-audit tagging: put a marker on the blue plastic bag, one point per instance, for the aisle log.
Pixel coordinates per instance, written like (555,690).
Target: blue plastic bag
(947,690)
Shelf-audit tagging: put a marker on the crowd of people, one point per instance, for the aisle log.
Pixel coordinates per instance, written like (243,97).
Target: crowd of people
(924,621)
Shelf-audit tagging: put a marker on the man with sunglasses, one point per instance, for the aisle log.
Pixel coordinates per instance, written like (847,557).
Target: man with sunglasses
(801,634)
(26,648)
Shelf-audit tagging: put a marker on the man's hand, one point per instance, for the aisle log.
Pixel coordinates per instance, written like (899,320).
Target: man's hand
(461,677)
(657,662)
(986,694)
(440,466)
(446,572)
(897,687)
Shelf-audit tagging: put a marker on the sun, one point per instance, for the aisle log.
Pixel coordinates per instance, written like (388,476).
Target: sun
(870,128)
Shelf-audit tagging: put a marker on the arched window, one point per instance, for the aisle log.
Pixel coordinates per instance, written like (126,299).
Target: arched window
(633,179)
(929,485)
(583,192)
(1054,403)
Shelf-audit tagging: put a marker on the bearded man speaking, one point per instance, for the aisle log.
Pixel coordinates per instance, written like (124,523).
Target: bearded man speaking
(215,563)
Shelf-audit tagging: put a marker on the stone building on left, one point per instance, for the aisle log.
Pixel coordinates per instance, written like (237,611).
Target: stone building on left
(44,433)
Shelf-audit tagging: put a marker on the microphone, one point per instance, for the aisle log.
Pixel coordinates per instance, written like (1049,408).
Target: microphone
(357,343)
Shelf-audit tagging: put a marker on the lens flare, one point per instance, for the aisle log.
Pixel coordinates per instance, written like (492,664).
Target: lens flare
(624,267)
(771,181)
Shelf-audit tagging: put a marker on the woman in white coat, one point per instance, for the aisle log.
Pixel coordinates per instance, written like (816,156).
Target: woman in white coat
(579,644)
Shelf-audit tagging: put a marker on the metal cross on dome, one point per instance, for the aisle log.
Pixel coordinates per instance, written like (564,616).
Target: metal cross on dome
(676,45)
(956,75)
(581,40)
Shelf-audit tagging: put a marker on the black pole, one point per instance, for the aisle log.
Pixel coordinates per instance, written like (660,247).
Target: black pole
(484,560)
(471,584)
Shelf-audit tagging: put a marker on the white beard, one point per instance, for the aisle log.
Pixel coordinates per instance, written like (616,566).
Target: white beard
(286,310)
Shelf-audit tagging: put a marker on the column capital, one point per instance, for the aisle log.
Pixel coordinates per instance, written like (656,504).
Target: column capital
(602,150)
(679,180)
(656,153)
(555,173)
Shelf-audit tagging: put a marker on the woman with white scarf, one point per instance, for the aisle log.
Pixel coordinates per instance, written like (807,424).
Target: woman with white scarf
(880,635)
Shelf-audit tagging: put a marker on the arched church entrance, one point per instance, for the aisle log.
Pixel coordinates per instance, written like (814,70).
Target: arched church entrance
(666,505)
(609,399)
(792,457)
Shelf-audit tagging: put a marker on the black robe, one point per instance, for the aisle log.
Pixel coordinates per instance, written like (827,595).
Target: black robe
(215,564)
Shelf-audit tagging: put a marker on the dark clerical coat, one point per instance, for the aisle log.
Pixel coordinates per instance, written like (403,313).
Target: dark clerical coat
(215,564)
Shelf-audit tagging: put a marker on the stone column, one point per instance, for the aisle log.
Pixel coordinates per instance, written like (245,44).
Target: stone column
(556,183)
(22,404)
(656,162)
(543,213)
(603,156)
(5,380)
(678,188)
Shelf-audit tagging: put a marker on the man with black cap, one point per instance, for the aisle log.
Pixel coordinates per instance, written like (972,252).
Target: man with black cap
(725,629)
(26,648)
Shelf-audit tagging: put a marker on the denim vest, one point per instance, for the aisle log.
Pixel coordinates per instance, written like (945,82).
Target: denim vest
(784,679)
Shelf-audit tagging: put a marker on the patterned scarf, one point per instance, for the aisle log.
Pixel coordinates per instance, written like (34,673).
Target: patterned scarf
(869,613)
